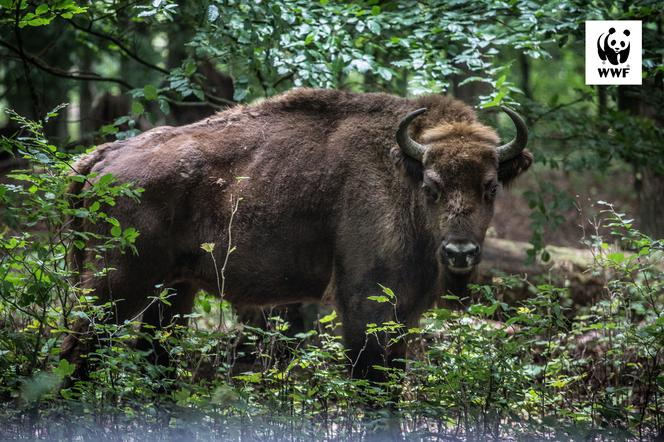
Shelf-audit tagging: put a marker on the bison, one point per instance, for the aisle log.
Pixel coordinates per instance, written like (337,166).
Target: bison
(340,193)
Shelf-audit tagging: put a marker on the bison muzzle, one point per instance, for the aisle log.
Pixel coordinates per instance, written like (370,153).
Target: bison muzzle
(340,193)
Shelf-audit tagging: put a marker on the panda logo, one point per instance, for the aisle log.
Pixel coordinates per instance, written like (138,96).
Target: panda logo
(613,46)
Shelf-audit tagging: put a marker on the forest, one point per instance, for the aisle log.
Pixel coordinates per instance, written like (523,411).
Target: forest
(557,334)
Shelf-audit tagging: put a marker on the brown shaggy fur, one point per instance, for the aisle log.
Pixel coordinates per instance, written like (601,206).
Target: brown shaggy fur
(330,205)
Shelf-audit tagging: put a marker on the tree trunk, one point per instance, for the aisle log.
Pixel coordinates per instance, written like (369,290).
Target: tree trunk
(469,93)
(650,191)
(602,100)
(86,127)
(525,75)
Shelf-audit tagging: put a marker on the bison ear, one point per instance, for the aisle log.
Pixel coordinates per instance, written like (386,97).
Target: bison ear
(510,169)
(408,166)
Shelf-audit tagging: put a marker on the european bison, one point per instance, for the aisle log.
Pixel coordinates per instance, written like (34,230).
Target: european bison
(340,192)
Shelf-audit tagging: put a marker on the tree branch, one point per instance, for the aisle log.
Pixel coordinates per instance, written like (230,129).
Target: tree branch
(212,99)
(219,100)
(60,72)
(282,79)
(119,44)
(193,103)
(215,102)
(583,97)
(115,12)
(94,77)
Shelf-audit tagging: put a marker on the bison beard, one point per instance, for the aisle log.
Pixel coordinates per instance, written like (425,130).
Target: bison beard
(456,284)
(335,201)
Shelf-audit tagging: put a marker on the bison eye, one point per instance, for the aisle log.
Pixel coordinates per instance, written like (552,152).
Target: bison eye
(431,191)
(431,185)
(491,190)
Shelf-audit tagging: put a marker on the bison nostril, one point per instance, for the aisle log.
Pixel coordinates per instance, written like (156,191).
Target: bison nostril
(461,248)
(461,256)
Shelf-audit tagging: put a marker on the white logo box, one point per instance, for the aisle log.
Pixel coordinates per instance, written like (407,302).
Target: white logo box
(617,60)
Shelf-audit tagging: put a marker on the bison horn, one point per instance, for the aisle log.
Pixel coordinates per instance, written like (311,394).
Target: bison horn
(514,147)
(409,146)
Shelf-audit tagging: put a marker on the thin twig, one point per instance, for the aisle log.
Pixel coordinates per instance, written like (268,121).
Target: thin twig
(60,72)
(229,250)
(119,44)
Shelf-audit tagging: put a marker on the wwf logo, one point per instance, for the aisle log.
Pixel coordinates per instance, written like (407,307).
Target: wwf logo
(614,46)
(613,52)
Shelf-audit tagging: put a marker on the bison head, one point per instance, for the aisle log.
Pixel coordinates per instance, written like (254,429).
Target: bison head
(459,168)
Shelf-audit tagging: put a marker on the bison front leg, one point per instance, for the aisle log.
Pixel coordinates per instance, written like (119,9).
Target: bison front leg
(85,338)
(159,315)
(370,349)
(76,346)
(125,290)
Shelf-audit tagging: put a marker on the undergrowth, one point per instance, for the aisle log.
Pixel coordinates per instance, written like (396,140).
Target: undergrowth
(479,367)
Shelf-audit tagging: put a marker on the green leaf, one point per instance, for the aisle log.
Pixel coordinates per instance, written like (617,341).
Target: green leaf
(374,26)
(64,369)
(240,94)
(37,22)
(212,13)
(208,246)
(130,234)
(108,129)
(137,108)
(189,68)
(385,73)
(150,92)
(482,310)
(204,304)
(164,107)
(328,318)
(388,291)
(616,257)
(181,395)
(116,231)
(105,180)
(250,377)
